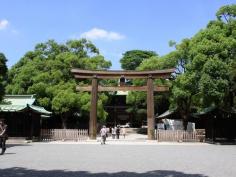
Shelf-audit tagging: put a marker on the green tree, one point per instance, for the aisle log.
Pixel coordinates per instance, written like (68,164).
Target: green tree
(232,93)
(3,72)
(205,67)
(132,59)
(227,12)
(214,82)
(208,57)
(46,73)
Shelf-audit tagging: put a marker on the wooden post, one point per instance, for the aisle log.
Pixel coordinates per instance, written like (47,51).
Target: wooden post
(93,110)
(150,109)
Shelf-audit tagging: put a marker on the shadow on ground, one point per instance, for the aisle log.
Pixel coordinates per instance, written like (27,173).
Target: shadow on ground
(13,145)
(223,143)
(23,172)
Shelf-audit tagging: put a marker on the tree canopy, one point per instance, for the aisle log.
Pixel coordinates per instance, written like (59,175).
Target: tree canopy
(3,72)
(206,80)
(132,59)
(205,68)
(45,71)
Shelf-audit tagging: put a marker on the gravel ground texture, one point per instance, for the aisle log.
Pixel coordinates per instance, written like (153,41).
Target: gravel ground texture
(118,160)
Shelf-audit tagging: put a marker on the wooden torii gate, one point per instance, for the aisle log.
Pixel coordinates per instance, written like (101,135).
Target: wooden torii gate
(149,88)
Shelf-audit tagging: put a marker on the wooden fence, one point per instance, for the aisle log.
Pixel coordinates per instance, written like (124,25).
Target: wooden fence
(180,135)
(63,134)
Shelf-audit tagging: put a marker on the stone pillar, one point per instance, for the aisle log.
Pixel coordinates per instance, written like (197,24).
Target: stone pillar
(150,109)
(93,110)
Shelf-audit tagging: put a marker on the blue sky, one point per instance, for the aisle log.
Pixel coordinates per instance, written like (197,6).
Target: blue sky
(113,26)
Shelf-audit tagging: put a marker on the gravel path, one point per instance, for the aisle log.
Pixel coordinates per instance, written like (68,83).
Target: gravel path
(90,160)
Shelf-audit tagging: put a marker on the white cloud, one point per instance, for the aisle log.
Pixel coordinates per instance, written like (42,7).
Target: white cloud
(3,24)
(15,32)
(97,33)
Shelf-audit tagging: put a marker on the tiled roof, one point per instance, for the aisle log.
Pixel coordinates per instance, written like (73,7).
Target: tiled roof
(18,103)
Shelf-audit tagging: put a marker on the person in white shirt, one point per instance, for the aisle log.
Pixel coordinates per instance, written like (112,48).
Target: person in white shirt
(123,132)
(113,132)
(103,133)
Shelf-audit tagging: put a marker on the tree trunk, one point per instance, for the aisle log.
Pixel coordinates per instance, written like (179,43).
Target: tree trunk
(231,99)
(184,116)
(64,121)
(185,122)
(186,113)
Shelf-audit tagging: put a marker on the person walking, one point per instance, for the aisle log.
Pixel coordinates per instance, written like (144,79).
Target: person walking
(123,132)
(118,132)
(3,136)
(103,133)
(113,132)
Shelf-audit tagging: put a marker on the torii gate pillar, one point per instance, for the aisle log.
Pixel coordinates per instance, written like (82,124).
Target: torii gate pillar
(93,110)
(150,109)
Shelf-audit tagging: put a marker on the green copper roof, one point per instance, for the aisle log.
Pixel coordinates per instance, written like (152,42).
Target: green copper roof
(11,108)
(19,99)
(19,103)
(39,109)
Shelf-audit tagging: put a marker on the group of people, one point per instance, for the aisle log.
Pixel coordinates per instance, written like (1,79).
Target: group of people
(115,132)
(3,136)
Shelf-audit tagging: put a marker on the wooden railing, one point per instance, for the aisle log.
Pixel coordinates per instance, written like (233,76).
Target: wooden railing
(63,134)
(181,136)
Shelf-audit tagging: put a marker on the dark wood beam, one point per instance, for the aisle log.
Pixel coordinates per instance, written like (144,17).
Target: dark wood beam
(109,74)
(159,76)
(120,72)
(122,88)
